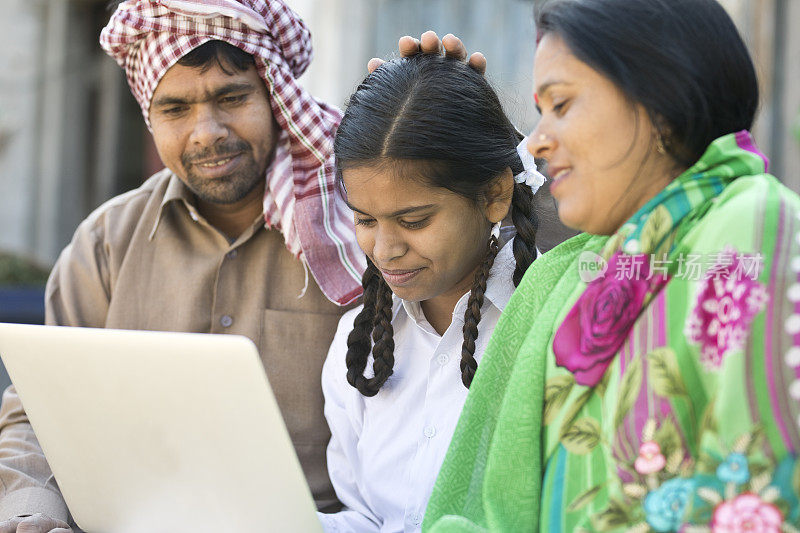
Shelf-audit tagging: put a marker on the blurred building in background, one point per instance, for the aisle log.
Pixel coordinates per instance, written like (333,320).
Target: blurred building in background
(71,134)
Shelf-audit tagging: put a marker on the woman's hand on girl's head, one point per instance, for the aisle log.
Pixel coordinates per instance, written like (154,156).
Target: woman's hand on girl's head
(429,43)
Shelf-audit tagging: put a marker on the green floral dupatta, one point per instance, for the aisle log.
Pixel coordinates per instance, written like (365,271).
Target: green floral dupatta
(491,476)
(569,422)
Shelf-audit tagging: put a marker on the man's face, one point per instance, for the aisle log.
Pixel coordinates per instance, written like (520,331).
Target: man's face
(214,130)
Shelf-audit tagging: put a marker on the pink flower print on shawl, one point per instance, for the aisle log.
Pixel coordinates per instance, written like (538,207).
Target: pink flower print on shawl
(650,459)
(598,324)
(729,299)
(746,512)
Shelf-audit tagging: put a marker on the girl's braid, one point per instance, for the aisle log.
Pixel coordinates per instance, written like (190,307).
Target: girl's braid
(526,222)
(383,338)
(473,314)
(375,321)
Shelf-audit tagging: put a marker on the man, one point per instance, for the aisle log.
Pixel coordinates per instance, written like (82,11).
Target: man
(223,239)
(211,244)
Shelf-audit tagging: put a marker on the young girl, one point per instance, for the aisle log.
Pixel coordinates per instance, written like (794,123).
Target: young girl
(430,166)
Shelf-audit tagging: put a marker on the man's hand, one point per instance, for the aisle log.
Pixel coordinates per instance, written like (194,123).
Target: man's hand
(429,43)
(37,523)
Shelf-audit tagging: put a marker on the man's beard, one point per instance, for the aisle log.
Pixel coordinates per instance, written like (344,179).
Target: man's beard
(232,187)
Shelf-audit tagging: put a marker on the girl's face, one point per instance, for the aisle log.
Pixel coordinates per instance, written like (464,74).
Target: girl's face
(600,148)
(426,241)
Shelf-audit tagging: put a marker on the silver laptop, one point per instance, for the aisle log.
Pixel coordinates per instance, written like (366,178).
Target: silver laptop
(158,432)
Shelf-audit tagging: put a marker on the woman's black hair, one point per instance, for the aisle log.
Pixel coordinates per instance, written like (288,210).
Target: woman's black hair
(682,60)
(446,119)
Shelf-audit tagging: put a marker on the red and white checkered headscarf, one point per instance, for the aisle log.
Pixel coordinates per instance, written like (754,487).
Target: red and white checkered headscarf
(147,37)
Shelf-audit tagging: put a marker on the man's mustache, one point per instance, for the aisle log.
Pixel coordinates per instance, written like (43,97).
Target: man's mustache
(214,152)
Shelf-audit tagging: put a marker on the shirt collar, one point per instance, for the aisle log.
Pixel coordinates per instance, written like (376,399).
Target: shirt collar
(500,286)
(176,192)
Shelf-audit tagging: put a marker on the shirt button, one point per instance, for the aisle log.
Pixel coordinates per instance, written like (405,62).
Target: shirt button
(443,359)
(232,254)
(226,321)
(429,432)
(416,519)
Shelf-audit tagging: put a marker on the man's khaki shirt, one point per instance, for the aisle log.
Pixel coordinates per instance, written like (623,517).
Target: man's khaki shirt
(147,260)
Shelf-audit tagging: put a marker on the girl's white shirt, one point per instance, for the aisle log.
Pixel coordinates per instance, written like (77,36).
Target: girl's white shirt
(386,451)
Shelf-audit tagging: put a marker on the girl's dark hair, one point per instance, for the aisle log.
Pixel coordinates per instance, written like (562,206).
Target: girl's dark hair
(683,60)
(445,118)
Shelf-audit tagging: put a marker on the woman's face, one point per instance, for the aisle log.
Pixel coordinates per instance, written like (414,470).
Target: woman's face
(426,241)
(600,148)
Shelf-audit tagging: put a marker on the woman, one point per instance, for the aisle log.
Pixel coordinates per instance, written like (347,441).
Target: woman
(429,181)
(646,374)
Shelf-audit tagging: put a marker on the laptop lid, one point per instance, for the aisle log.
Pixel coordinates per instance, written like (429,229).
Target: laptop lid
(153,431)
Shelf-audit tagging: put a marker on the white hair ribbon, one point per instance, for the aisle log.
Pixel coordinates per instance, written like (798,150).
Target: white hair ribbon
(496,230)
(530,176)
